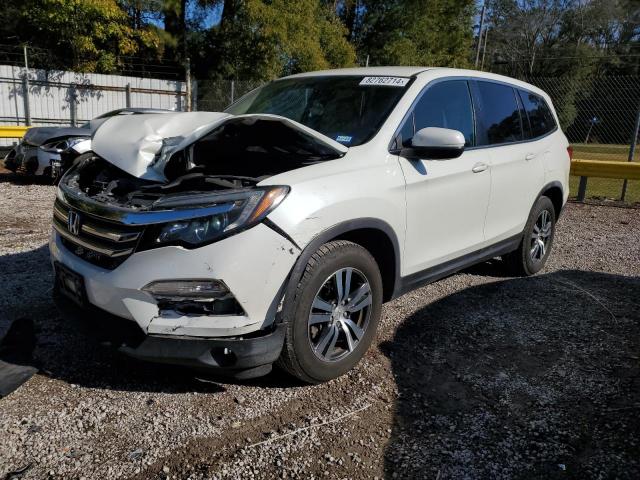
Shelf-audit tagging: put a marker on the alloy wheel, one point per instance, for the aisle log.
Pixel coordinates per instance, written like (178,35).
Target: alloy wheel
(339,314)
(540,236)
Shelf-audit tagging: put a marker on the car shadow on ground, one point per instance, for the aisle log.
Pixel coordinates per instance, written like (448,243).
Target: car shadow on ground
(523,378)
(6,176)
(69,345)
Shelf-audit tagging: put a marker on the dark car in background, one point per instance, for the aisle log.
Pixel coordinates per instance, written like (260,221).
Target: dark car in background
(49,151)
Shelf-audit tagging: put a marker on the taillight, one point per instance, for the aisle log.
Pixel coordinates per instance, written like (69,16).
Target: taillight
(570,152)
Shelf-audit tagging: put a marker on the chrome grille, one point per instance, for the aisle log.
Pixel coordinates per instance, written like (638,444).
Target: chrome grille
(98,241)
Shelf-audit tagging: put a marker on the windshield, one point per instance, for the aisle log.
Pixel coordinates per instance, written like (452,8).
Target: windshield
(348,109)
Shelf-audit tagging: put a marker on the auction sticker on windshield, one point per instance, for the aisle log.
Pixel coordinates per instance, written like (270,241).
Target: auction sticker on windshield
(385,81)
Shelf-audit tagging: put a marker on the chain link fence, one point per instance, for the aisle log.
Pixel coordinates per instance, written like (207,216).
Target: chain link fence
(600,116)
(215,96)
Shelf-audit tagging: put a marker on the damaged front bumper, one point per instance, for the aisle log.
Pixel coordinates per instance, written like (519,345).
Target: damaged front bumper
(241,357)
(243,345)
(253,264)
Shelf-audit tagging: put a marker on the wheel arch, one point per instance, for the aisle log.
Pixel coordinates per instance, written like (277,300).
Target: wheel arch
(373,234)
(554,192)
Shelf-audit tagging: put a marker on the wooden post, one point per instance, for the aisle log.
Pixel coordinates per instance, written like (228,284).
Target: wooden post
(128,95)
(25,89)
(194,96)
(187,81)
(72,105)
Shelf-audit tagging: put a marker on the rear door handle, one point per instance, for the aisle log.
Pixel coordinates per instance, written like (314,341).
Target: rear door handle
(479,167)
(530,156)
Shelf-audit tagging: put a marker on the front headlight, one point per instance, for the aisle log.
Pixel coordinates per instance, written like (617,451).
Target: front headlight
(59,146)
(239,212)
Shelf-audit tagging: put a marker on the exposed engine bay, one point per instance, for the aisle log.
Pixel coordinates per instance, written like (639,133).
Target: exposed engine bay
(235,154)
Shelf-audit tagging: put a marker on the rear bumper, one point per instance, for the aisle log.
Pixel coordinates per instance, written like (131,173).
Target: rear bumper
(240,357)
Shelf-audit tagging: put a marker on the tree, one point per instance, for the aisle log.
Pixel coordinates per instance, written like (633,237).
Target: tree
(564,37)
(84,35)
(258,39)
(417,32)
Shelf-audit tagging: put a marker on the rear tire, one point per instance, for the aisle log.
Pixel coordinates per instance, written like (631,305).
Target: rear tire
(537,240)
(334,313)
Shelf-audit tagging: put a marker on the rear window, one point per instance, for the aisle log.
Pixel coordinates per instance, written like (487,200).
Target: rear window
(498,114)
(540,118)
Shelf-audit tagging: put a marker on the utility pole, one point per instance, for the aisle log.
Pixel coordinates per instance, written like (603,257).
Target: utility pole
(484,48)
(484,5)
(25,87)
(367,64)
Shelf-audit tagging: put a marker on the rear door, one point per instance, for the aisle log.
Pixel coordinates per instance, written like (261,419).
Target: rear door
(517,171)
(446,199)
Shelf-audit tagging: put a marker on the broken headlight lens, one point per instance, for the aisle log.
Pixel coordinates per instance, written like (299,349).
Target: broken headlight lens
(243,210)
(61,145)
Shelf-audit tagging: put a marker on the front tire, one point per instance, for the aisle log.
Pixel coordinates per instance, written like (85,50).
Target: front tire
(537,240)
(334,314)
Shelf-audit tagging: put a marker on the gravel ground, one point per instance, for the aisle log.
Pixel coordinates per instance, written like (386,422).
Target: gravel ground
(476,376)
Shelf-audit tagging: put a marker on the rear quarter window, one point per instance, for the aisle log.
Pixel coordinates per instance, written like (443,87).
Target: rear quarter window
(541,120)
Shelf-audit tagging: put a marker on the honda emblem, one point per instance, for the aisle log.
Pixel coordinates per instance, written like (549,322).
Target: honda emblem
(73,222)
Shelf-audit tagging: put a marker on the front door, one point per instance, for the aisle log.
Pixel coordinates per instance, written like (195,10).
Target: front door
(446,199)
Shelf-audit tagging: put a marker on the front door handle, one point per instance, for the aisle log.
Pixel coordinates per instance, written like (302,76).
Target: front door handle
(479,167)
(530,156)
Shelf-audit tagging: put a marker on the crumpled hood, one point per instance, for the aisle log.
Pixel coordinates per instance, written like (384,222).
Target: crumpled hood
(40,135)
(141,144)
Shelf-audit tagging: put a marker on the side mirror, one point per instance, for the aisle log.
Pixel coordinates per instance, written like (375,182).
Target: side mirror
(435,143)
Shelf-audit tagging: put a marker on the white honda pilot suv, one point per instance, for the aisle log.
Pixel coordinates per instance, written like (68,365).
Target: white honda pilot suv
(274,231)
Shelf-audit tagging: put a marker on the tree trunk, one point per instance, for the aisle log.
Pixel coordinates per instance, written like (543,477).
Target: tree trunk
(175,24)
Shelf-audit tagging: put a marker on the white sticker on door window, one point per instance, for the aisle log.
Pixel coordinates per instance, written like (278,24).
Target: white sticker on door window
(385,81)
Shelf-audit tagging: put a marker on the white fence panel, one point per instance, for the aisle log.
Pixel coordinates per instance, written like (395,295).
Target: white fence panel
(63,98)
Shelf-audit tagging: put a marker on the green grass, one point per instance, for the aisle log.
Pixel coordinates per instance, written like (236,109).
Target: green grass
(595,151)
(605,188)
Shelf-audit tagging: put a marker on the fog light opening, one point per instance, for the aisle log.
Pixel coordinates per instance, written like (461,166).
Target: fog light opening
(206,290)
(194,297)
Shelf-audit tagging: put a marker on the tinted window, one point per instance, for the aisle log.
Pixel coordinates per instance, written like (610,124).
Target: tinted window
(541,119)
(499,116)
(447,105)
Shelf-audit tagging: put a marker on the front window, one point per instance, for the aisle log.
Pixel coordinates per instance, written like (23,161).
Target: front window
(446,104)
(348,109)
